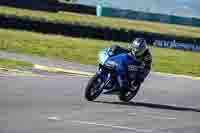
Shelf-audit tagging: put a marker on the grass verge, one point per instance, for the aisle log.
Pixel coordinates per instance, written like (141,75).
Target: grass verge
(85,51)
(14,63)
(67,17)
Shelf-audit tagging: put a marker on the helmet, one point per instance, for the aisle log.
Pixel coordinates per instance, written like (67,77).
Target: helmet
(138,46)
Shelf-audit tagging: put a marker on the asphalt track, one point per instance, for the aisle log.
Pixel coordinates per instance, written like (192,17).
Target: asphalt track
(55,104)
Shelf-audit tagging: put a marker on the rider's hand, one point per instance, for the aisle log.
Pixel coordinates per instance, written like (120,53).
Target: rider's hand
(110,53)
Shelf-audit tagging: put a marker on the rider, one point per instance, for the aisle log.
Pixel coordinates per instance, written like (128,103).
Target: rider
(140,52)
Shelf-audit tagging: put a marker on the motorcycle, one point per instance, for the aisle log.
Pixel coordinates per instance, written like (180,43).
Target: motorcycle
(105,79)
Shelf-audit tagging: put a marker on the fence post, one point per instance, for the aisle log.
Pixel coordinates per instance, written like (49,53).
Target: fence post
(98,10)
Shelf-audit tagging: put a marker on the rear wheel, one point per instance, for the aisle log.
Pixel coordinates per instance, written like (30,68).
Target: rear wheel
(93,88)
(126,96)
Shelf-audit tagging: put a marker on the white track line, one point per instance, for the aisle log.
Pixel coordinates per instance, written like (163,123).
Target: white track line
(54,118)
(116,127)
(154,116)
(176,75)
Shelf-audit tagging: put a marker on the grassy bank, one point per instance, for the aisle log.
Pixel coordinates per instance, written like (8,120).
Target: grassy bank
(7,63)
(66,17)
(85,51)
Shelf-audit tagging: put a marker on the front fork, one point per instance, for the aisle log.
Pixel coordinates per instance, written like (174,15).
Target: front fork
(105,78)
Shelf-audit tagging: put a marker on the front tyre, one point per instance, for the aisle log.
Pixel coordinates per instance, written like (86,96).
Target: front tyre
(126,96)
(93,88)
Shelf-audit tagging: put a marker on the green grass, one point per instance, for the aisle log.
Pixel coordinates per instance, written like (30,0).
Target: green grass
(85,51)
(177,62)
(13,63)
(66,17)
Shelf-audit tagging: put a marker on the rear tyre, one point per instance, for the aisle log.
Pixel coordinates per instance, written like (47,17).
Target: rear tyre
(126,96)
(93,89)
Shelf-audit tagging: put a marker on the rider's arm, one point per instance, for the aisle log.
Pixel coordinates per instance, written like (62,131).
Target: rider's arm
(146,63)
(148,60)
(117,49)
(125,50)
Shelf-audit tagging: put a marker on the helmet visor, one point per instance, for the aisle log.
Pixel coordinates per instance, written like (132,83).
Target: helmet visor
(136,46)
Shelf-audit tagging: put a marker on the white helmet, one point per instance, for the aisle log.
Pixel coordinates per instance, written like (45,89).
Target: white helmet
(138,46)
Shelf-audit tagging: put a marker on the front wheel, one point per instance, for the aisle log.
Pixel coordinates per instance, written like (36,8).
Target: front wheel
(93,88)
(130,94)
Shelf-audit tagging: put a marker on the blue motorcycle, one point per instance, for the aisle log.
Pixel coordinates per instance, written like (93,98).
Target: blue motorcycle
(105,80)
